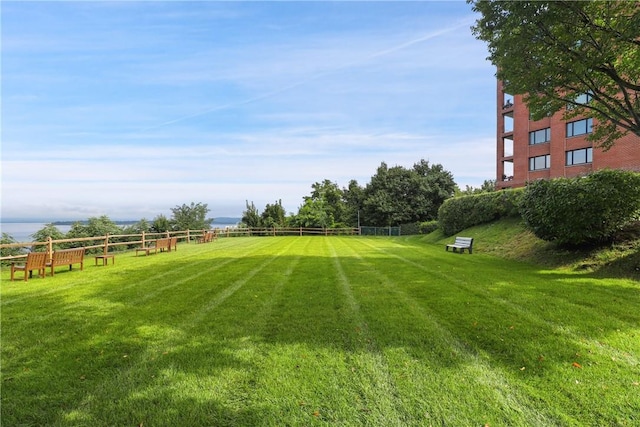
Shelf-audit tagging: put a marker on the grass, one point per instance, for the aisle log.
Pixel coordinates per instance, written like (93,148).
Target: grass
(508,238)
(320,331)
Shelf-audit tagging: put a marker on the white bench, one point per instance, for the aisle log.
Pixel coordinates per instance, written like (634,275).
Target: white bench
(461,243)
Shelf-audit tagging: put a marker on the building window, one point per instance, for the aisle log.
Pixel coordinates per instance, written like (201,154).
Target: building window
(507,146)
(581,99)
(580,127)
(540,136)
(578,157)
(507,170)
(539,162)
(507,122)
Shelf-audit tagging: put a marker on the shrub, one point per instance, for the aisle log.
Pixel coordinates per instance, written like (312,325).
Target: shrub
(584,210)
(413,228)
(409,229)
(463,212)
(428,226)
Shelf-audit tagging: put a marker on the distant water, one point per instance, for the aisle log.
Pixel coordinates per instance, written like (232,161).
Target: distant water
(22,231)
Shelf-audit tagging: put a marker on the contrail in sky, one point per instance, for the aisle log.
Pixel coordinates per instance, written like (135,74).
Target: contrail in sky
(280,90)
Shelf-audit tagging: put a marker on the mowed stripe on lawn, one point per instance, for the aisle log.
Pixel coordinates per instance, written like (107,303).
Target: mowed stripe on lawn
(297,330)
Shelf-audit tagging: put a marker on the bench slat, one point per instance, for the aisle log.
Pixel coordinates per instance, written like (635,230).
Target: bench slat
(461,243)
(66,257)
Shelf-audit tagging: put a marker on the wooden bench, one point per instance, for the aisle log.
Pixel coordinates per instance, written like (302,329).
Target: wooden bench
(461,243)
(207,236)
(173,244)
(159,244)
(35,261)
(66,257)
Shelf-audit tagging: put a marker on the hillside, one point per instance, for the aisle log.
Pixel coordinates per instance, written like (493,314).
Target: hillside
(509,239)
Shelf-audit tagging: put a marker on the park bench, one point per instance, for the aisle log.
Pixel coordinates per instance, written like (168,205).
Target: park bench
(35,261)
(461,243)
(159,244)
(66,257)
(173,244)
(207,236)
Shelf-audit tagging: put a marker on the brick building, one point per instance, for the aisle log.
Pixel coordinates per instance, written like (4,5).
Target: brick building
(552,147)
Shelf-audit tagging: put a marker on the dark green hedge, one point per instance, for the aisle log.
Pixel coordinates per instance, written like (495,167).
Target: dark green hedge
(589,209)
(427,227)
(463,212)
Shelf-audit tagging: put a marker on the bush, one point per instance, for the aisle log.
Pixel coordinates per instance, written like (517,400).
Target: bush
(463,212)
(414,228)
(428,226)
(584,210)
(409,229)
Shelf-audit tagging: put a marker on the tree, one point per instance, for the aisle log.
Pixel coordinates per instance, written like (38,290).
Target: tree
(313,213)
(5,252)
(94,226)
(353,197)
(580,57)
(191,217)
(49,230)
(398,195)
(488,186)
(332,200)
(100,226)
(273,215)
(160,224)
(251,216)
(139,227)
(325,207)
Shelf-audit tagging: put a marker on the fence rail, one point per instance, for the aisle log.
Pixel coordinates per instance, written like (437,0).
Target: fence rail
(111,242)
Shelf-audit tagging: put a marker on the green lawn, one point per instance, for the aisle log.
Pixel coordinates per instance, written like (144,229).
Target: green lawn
(302,331)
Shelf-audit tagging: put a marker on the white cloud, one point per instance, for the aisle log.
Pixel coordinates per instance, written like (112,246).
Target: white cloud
(219,102)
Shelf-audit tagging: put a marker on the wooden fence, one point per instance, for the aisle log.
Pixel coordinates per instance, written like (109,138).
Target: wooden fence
(116,242)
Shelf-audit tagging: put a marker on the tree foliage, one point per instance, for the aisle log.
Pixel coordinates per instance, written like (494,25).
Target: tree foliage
(555,52)
(273,215)
(191,217)
(94,226)
(325,207)
(332,197)
(5,252)
(251,216)
(160,224)
(398,195)
(142,226)
(353,196)
(49,230)
(313,213)
(488,186)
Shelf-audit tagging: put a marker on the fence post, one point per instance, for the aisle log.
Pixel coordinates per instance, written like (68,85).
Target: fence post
(49,248)
(106,244)
(143,244)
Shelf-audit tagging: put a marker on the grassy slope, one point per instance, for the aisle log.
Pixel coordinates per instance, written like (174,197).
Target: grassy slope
(333,331)
(509,239)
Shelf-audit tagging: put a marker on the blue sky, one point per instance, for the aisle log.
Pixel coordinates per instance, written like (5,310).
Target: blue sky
(128,109)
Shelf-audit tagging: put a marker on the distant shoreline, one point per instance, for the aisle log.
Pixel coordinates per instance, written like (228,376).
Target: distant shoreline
(220,220)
